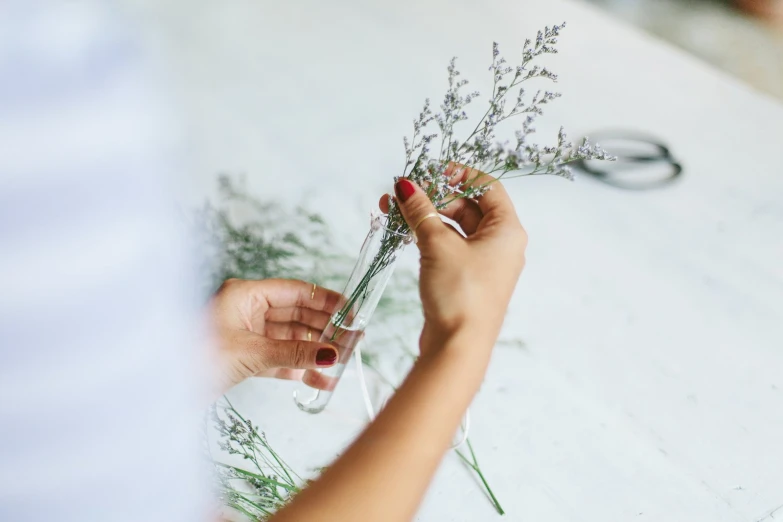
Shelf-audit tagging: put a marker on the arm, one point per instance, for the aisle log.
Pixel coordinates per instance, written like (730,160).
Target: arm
(465,291)
(383,476)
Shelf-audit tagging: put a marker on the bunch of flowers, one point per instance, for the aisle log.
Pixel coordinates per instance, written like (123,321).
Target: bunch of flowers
(486,158)
(269,482)
(264,483)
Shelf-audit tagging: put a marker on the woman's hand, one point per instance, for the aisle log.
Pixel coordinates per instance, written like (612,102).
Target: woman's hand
(465,283)
(270,328)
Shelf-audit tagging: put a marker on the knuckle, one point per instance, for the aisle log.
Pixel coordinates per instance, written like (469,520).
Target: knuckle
(299,354)
(227,284)
(301,331)
(433,238)
(255,355)
(439,234)
(333,301)
(300,300)
(290,331)
(419,207)
(231,281)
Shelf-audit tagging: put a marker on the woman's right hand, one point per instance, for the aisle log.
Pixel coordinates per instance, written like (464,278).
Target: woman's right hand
(465,283)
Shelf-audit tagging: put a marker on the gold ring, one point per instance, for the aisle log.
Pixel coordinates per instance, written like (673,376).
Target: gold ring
(312,294)
(418,224)
(309,335)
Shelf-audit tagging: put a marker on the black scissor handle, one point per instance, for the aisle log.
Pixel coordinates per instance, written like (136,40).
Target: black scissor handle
(639,150)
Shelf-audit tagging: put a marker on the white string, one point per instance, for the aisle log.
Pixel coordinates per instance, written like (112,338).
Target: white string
(362,382)
(464,425)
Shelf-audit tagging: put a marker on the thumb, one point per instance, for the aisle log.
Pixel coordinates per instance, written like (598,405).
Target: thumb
(418,211)
(262,353)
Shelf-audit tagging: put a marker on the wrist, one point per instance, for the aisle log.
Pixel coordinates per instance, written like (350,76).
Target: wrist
(464,346)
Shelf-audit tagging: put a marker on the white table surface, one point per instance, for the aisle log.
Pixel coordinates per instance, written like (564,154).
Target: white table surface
(651,382)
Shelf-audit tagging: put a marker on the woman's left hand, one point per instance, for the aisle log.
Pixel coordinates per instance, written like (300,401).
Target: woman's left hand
(270,328)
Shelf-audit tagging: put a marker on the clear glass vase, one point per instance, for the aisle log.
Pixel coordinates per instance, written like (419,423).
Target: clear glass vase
(360,298)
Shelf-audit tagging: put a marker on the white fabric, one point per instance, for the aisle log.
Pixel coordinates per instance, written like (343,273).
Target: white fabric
(99,357)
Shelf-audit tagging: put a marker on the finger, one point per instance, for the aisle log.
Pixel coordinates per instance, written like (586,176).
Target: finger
(312,318)
(318,380)
(258,353)
(383,203)
(287,374)
(464,211)
(415,207)
(291,332)
(495,200)
(300,332)
(287,293)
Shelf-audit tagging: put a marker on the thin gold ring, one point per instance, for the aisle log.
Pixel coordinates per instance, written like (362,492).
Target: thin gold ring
(418,224)
(312,294)
(309,335)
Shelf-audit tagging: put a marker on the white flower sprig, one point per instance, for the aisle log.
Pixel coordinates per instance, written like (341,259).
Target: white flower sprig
(261,486)
(480,150)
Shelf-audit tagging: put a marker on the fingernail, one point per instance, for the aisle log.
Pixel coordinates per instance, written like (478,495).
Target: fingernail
(404,189)
(326,357)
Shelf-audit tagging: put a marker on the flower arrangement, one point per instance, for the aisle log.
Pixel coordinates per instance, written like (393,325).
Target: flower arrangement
(272,241)
(480,152)
(262,249)
(256,490)
(486,159)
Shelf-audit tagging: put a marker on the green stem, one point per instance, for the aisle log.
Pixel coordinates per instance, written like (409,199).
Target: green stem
(283,466)
(280,464)
(380,262)
(234,505)
(242,496)
(475,467)
(260,507)
(261,478)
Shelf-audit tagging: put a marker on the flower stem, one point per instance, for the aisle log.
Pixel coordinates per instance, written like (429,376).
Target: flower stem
(474,465)
(256,476)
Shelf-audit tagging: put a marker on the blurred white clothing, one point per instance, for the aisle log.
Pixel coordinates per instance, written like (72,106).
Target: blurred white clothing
(100,353)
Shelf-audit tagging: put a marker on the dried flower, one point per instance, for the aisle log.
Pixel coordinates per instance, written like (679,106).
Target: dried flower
(256,490)
(230,242)
(481,150)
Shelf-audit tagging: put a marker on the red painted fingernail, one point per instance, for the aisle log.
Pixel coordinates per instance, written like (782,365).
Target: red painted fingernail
(404,189)
(326,357)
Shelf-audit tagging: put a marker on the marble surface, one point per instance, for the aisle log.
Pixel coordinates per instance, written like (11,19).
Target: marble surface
(650,385)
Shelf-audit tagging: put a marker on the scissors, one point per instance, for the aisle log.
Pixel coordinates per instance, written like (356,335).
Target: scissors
(643,162)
